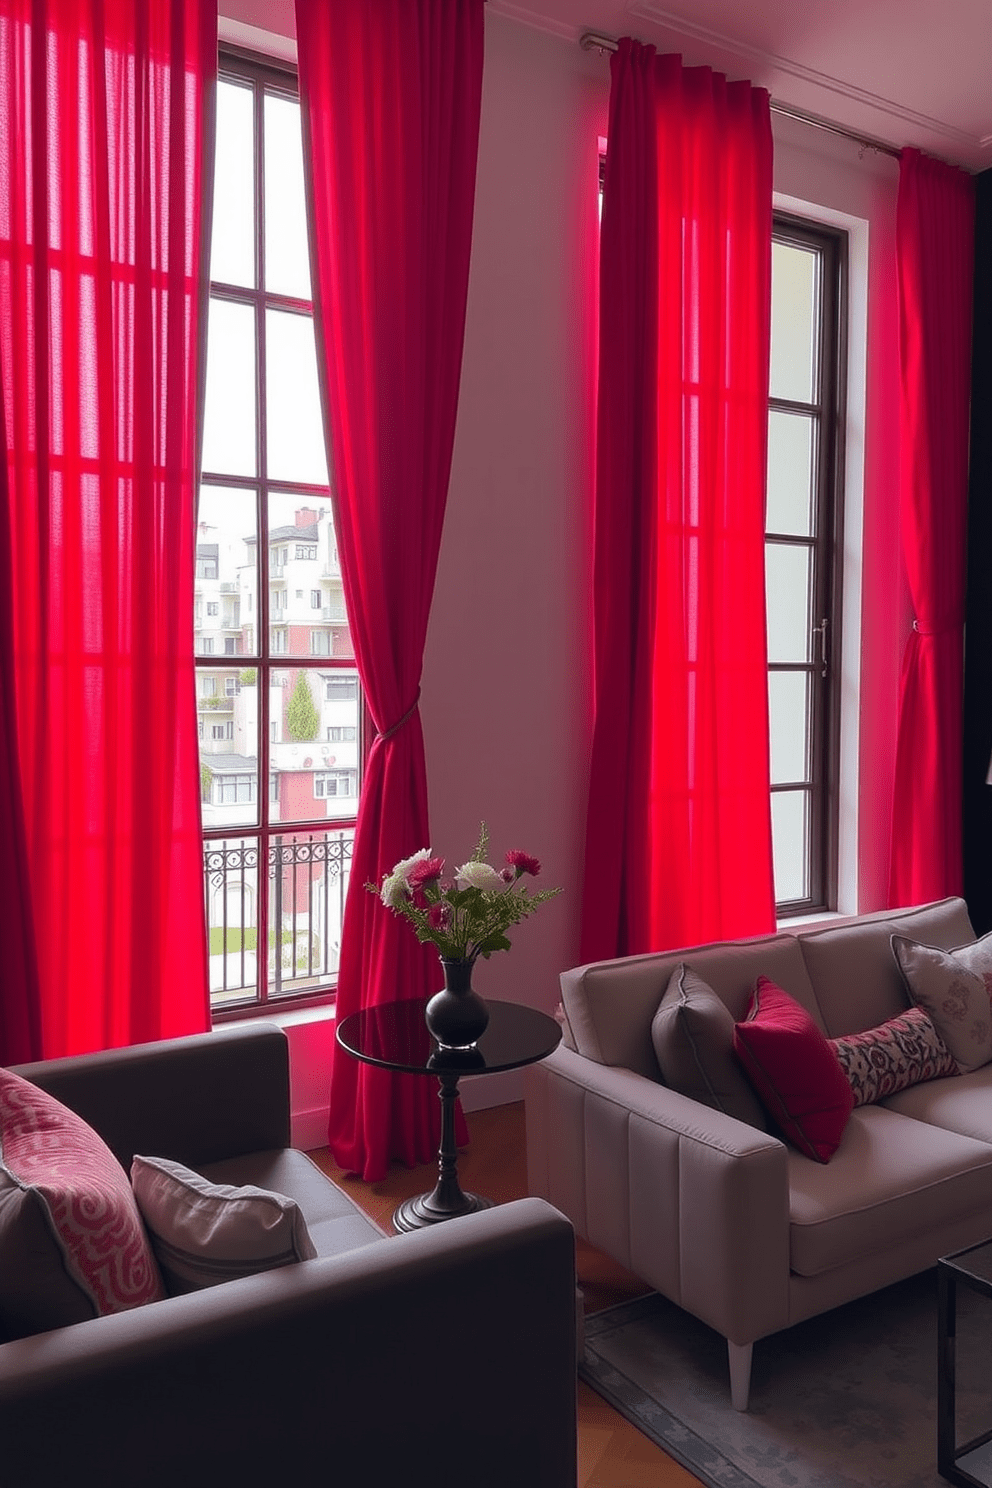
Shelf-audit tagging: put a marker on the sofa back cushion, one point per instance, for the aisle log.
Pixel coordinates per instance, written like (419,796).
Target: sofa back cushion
(610,1005)
(854,975)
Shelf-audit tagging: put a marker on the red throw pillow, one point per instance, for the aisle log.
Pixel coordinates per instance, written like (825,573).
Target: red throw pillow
(72,1244)
(794,1070)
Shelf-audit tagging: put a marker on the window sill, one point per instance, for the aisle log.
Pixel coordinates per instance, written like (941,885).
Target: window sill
(323,1012)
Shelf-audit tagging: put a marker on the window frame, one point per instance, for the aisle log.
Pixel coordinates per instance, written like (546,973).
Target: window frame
(823,718)
(268,76)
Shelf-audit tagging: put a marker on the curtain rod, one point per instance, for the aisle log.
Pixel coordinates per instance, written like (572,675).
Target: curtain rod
(593,41)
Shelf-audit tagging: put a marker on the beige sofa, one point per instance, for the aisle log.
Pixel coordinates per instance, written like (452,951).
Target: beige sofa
(724,1219)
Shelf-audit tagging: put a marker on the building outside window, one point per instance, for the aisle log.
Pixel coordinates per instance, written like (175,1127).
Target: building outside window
(276,862)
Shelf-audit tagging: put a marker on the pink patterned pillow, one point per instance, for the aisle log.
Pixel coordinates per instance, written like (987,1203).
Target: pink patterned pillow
(902,1052)
(72,1243)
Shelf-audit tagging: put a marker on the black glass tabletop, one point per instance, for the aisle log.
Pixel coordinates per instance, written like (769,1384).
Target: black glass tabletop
(395,1036)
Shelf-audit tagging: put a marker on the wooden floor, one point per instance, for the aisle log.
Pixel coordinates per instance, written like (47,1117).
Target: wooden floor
(612,1453)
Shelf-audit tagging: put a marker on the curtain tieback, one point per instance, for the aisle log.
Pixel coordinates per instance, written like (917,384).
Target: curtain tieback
(385,734)
(934,630)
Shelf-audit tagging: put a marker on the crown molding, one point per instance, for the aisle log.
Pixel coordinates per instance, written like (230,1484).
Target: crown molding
(671,20)
(532,18)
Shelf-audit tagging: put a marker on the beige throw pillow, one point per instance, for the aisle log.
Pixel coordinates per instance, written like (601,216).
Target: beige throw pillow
(204,1233)
(955,988)
(693,1036)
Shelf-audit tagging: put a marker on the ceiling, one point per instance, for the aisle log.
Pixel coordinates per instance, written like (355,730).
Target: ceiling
(906,72)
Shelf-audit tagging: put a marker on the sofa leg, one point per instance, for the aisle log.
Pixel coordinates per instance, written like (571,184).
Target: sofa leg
(739,1355)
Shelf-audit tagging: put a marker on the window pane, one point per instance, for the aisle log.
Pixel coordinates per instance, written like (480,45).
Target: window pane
(294,427)
(232,244)
(314,746)
(229,411)
(230,866)
(225,583)
(303,563)
(308,881)
(227,724)
(790,473)
(788,705)
(287,258)
(789,845)
(787,581)
(795,296)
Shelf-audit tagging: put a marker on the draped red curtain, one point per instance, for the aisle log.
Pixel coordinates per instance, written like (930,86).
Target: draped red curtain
(678,845)
(935,217)
(391,96)
(102,108)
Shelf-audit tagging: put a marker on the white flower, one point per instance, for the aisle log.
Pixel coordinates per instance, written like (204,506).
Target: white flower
(479,876)
(403,867)
(394,891)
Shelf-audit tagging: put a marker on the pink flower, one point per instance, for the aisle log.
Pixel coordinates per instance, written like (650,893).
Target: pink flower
(438,916)
(523,863)
(428,870)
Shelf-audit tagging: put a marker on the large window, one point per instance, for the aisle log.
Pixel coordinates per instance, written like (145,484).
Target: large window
(802,558)
(284,705)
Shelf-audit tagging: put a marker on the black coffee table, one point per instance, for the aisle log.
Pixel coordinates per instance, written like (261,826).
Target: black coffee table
(395,1037)
(970,1463)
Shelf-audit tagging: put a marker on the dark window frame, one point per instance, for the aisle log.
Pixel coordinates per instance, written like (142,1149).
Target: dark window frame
(268,76)
(823,665)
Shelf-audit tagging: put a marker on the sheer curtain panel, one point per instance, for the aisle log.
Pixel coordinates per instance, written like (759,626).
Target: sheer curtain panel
(391,97)
(103,109)
(678,846)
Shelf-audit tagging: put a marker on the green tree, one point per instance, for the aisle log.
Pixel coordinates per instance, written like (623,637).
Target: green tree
(206,777)
(302,718)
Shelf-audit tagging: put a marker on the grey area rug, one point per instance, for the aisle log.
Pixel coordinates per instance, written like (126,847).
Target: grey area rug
(846,1400)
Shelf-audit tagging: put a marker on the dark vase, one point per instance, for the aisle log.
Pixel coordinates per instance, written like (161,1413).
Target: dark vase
(456,1016)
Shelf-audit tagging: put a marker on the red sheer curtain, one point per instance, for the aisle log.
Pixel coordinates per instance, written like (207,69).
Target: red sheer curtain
(102,108)
(935,227)
(391,98)
(678,845)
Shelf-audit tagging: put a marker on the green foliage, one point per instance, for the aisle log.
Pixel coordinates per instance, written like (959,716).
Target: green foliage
(248,677)
(302,718)
(206,776)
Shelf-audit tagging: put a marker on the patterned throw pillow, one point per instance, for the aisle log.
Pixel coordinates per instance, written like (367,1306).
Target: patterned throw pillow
(205,1233)
(72,1245)
(795,1071)
(902,1052)
(955,988)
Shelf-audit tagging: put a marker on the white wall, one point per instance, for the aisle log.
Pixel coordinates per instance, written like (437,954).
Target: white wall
(505,698)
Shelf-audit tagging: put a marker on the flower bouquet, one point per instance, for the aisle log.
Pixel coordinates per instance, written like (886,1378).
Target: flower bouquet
(464,917)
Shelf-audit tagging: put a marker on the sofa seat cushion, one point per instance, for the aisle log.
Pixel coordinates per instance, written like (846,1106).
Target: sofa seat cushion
(335,1222)
(891,1178)
(962,1103)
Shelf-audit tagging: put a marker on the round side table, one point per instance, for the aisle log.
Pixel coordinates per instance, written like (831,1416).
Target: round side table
(394,1036)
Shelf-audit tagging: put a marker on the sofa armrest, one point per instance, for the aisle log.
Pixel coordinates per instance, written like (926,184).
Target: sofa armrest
(196,1100)
(692,1201)
(447,1352)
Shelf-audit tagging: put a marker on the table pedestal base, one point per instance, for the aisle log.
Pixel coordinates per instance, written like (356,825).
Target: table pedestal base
(447,1201)
(414,1214)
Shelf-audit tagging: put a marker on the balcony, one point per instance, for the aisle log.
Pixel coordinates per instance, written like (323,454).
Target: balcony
(307,882)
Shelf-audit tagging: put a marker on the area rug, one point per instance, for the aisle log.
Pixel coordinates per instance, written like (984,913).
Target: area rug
(846,1400)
